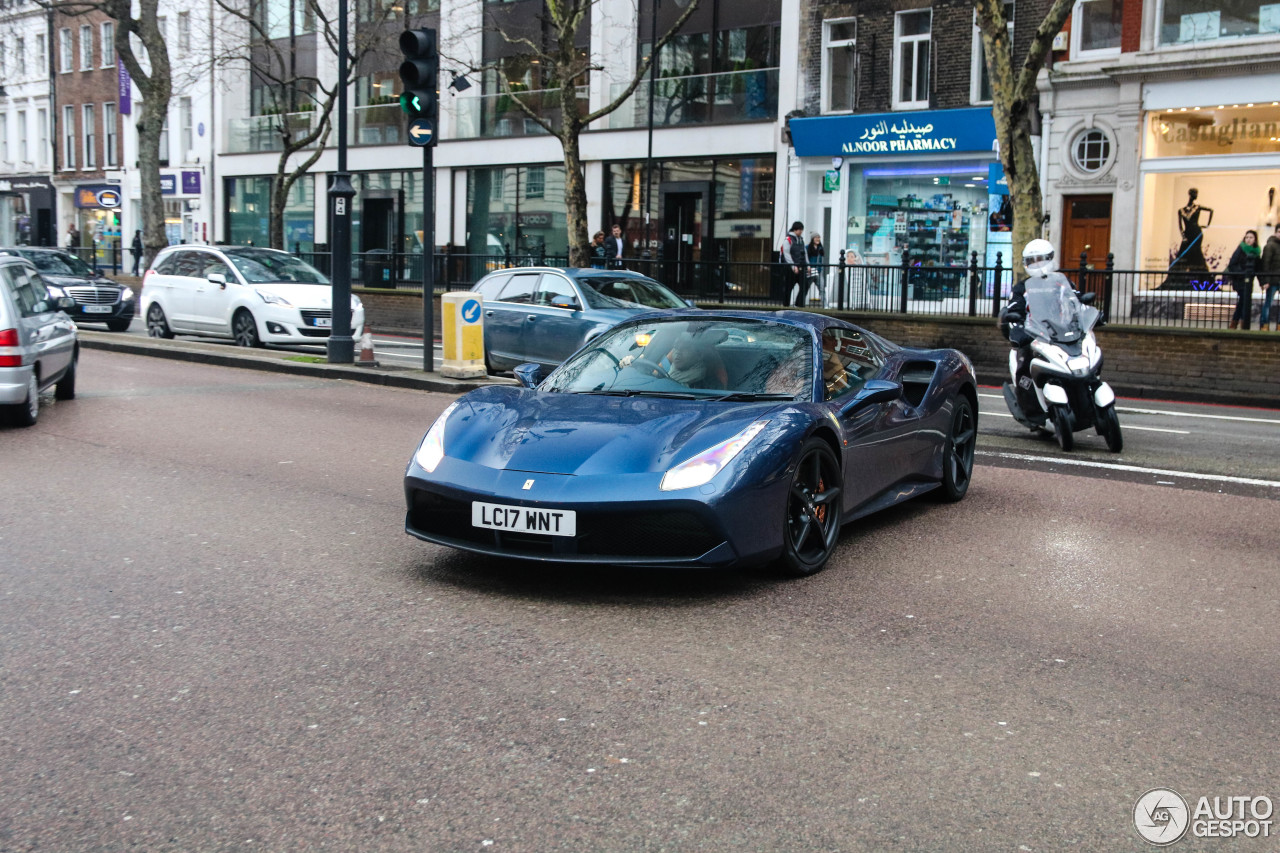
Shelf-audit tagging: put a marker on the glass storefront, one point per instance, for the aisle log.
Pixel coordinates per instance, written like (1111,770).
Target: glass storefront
(517,210)
(26,212)
(249,213)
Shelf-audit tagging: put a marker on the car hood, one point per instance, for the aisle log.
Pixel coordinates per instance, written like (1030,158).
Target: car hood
(77,281)
(300,295)
(517,429)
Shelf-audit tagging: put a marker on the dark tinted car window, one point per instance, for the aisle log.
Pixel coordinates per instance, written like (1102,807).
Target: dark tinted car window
(207,263)
(519,289)
(553,287)
(28,290)
(848,361)
(492,286)
(167,264)
(57,263)
(623,292)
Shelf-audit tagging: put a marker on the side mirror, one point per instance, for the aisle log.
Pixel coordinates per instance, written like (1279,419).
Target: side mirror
(1012,317)
(691,303)
(66,303)
(1087,298)
(41,307)
(874,391)
(570,302)
(529,375)
(218,279)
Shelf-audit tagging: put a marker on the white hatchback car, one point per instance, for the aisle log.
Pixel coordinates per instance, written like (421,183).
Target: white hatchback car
(252,295)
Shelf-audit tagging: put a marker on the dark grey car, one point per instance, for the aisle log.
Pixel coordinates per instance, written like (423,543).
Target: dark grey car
(545,314)
(38,346)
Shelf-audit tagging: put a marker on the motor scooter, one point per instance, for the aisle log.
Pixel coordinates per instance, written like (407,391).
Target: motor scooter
(1061,381)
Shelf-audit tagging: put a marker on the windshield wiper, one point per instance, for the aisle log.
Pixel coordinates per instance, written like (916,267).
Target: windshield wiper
(747,396)
(639,392)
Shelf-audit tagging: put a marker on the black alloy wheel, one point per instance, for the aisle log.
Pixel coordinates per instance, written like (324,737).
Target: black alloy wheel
(812,522)
(245,329)
(157,325)
(1108,423)
(957,464)
(1062,427)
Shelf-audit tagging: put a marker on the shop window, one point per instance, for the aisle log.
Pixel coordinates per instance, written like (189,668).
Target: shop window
(1097,27)
(1091,151)
(1184,21)
(980,77)
(911,58)
(840,65)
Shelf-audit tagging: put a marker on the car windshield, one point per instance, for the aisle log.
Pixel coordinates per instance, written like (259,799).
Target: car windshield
(261,266)
(603,291)
(57,263)
(1053,311)
(726,358)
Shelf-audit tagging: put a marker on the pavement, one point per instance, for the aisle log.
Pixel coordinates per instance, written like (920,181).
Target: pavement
(283,361)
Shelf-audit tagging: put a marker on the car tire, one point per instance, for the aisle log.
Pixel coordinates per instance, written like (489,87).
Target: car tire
(245,329)
(26,413)
(66,387)
(811,518)
(157,324)
(1062,427)
(119,325)
(1109,427)
(957,460)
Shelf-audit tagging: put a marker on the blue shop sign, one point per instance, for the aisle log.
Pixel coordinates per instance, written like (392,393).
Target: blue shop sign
(168,184)
(880,134)
(997,184)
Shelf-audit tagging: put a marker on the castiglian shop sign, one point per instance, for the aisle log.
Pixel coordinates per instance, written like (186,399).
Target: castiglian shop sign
(880,134)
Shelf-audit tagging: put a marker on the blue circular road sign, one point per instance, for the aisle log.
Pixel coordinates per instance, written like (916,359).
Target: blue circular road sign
(470,311)
(421,132)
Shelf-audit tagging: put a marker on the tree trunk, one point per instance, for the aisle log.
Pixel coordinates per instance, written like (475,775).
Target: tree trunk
(150,124)
(575,199)
(279,197)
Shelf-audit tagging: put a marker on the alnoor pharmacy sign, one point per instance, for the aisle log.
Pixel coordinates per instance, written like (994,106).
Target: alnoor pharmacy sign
(880,134)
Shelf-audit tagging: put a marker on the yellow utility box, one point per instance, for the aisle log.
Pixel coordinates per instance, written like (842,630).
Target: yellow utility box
(462,318)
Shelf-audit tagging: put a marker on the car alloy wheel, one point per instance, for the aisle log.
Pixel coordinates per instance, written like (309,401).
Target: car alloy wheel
(812,522)
(244,329)
(957,466)
(157,325)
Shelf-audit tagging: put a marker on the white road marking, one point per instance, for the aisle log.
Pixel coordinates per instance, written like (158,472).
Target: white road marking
(1134,411)
(1124,426)
(1112,466)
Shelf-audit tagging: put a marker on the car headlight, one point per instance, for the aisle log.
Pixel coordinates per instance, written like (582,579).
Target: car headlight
(431,451)
(126,294)
(272,299)
(701,468)
(55,291)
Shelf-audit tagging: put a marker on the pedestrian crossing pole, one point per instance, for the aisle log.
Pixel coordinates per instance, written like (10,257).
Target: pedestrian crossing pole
(420,100)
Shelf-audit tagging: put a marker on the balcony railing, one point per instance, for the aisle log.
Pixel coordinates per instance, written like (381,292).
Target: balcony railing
(262,133)
(733,96)
(383,124)
(491,116)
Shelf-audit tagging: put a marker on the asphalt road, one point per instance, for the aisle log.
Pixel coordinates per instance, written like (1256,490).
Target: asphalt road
(214,635)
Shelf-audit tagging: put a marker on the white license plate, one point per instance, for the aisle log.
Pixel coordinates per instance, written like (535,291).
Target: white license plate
(96,309)
(325,322)
(523,519)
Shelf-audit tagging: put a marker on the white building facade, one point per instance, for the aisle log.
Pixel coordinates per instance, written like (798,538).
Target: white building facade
(27,210)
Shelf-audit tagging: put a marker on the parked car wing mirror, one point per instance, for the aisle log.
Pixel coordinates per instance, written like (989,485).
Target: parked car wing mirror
(570,302)
(874,391)
(529,374)
(218,279)
(691,303)
(1087,298)
(66,303)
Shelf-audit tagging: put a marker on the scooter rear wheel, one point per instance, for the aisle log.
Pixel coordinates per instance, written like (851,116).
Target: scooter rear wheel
(1062,427)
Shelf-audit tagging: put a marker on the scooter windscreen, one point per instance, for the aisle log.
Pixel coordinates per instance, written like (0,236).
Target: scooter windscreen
(1053,311)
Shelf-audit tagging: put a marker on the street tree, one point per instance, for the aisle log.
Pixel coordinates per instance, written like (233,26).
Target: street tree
(1013,106)
(553,47)
(297,100)
(152,74)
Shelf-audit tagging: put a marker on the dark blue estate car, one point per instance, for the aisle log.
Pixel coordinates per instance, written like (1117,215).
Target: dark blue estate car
(543,315)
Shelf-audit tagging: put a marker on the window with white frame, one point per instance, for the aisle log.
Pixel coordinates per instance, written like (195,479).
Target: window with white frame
(42,138)
(911,58)
(24,150)
(184,121)
(90,142)
(164,142)
(66,50)
(184,32)
(535,182)
(1185,21)
(839,65)
(41,59)
(1091,151)
(980,77)
(4,137)
(86,47)
(110,151)
(1095,28)
(108,46)
(68,137)
(20,55)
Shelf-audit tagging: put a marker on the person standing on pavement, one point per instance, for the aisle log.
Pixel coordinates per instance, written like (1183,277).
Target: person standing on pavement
(136,248)
(817,257)
(598,254)
(1240,272)
(73,237)
(1269,272)
(792,252)
(614,246)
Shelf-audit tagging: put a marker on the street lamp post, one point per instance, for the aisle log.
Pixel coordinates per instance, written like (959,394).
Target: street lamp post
(342,346)
(648,161)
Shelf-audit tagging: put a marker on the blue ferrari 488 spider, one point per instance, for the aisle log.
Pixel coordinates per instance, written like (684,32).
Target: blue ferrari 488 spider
(698,438)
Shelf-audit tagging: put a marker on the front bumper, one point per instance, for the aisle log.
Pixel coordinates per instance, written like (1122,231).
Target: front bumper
(621,520)
(281,325)
(90,313)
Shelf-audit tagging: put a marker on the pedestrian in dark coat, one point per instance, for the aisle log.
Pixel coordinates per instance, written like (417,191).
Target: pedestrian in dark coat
(137,250)
(793,252)
(1240,272)
(1269,272)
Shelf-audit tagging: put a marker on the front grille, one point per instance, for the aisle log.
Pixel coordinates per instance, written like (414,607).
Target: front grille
(309,318)
(313,333)
(660,534)
(94,295)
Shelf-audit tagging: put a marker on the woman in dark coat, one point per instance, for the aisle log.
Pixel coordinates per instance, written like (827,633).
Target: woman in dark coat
(1241,270)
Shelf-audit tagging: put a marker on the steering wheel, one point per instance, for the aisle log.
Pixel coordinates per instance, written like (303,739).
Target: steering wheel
(653,366)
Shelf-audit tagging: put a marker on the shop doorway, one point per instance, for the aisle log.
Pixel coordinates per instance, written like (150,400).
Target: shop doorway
(377,226)
(1086,230)
(684,209)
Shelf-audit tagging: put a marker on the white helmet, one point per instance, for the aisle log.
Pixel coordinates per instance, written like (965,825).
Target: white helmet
(1037,257)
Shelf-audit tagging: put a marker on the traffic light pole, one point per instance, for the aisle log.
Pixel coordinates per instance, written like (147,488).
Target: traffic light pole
(428,260)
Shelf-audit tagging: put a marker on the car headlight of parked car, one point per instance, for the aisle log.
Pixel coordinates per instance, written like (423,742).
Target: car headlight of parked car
(701,468)
(126,294)
(55,291)
(431,451)
(272,299)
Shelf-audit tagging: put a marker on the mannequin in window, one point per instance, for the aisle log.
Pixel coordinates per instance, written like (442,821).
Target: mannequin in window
(1270,217)
(1191,252)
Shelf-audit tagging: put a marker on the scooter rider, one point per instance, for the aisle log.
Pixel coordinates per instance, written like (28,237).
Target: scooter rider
(1038,260)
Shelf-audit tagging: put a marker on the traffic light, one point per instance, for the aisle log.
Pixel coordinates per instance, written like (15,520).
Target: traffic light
(420,73)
